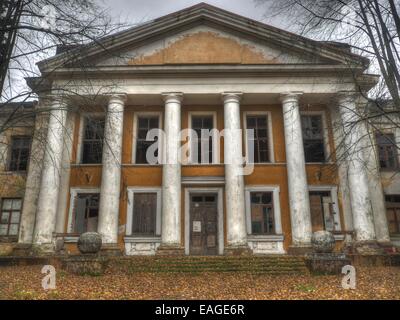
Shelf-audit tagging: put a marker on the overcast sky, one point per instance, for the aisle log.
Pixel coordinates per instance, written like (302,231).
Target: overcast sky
(135,11)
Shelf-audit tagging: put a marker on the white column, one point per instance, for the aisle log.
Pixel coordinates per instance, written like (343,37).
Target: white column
(297,178)
(357,175)
(171,181)
(50,182)
(32,187)
(111,172)
(234,180)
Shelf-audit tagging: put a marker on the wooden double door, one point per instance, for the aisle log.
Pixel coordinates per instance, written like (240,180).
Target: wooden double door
(204,224)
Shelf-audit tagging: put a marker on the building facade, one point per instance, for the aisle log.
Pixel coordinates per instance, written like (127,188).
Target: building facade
(292,159)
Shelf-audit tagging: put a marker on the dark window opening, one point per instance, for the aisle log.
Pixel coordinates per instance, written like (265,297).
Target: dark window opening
(204,152)
(387,149)
(145,124)
(393,214)
(313,138)
(260,139)
(144,214)
(92,144)
(262,213)
(322,213)
(20,149)
(86,213)
(10,216)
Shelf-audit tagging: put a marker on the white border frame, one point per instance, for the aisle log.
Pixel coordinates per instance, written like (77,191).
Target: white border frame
(270,134)
(219,192)
(82,124)
(325,128)
(129,214)
(215,139)
(73,193)
(334,195)
(277,208)
(136,116)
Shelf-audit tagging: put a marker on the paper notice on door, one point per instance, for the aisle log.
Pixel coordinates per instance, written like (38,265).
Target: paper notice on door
(196,226)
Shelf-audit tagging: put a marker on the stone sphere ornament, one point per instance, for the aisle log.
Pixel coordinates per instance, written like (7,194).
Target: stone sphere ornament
(89,243)
(323,242)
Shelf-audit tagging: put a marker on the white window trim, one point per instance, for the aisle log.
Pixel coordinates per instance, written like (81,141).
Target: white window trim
(276,203)
(270,134)
(334,195)
(215,138)
(74,192)
(129,215)
(136,117)
(82,124)
(327,150)
(219,191)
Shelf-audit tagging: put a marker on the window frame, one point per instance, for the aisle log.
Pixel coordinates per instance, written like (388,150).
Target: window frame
(271,154)
(325,134)
(396,155)
(82,125)
(130,207)
(8,236)
(73,194)
(12,137)
(335,202)
(135,129)
(215,138)
(275,190)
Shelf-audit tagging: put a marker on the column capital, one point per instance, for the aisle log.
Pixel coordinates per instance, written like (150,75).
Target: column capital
(290,96)
(119,98)
(232,96)
(169,97)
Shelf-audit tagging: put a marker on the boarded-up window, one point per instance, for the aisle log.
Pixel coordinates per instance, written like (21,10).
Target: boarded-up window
(259,125)
(10,217)
(203,141)
(86,212)
(322,214)
(387,151)
(262,213)
(92,140)
(144,214)
(19,155)
(313,138)
(393,213)
(144,125)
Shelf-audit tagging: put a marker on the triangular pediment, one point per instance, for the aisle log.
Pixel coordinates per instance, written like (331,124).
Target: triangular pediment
(203,34)
(207,45)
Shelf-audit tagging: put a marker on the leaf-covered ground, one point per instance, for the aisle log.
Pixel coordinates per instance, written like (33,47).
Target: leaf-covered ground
(25,283)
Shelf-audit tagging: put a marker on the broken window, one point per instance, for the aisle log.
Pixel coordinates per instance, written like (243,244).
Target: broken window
(145,124)
(322,213)
(86,213)
(387,151)
(19,156)
(262,213)
(204,144)
(144,214)
(313,138)
(10,217)
(258,123)
(393,213)
(92,142)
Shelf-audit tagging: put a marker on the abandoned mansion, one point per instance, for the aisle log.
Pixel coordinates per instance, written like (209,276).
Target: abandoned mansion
(115,144)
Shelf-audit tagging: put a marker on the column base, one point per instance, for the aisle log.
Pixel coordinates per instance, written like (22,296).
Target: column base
(368,248)
(44,249)
(170,250)
(243,250)
(22,250)
(299,250)
(110,250)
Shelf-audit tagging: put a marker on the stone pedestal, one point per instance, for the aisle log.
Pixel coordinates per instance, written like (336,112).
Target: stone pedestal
(237,251)
(89,264)
(165,250)
(326,263)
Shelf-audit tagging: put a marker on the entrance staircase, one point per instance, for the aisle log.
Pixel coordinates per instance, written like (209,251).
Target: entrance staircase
(271,264)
